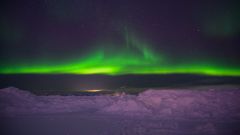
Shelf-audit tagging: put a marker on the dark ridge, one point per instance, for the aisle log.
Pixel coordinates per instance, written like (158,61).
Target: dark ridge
(79,82)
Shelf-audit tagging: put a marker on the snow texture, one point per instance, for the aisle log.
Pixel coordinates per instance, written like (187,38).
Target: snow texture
(150,112)
(160,103)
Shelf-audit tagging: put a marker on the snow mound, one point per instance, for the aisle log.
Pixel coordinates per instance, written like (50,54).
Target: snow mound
(13,99)
(16,94)
(190,103)
(156,103)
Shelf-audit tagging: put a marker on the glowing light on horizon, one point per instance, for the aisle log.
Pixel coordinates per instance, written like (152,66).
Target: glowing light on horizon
(92,91)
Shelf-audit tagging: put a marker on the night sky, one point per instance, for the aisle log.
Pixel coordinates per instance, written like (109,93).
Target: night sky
(116,37)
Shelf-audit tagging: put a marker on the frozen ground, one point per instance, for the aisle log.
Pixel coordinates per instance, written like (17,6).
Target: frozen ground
(205,111)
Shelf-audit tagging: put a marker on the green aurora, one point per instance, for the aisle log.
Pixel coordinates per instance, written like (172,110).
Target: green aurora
(134,57)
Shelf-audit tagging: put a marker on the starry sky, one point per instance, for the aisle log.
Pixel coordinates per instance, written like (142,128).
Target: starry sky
(120,37)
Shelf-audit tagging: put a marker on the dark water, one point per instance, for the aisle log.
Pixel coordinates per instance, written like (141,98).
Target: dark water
(68,82)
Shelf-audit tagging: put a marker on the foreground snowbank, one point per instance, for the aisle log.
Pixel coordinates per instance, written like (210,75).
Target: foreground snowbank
(156,103)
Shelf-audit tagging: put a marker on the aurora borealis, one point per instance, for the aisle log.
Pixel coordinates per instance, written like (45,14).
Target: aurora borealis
(134,57)
(91,37)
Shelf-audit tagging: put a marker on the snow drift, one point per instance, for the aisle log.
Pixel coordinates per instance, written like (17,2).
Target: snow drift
(154,103)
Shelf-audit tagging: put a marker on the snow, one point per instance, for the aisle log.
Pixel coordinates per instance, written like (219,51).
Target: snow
(127,105)
(150,112)
(172,103)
